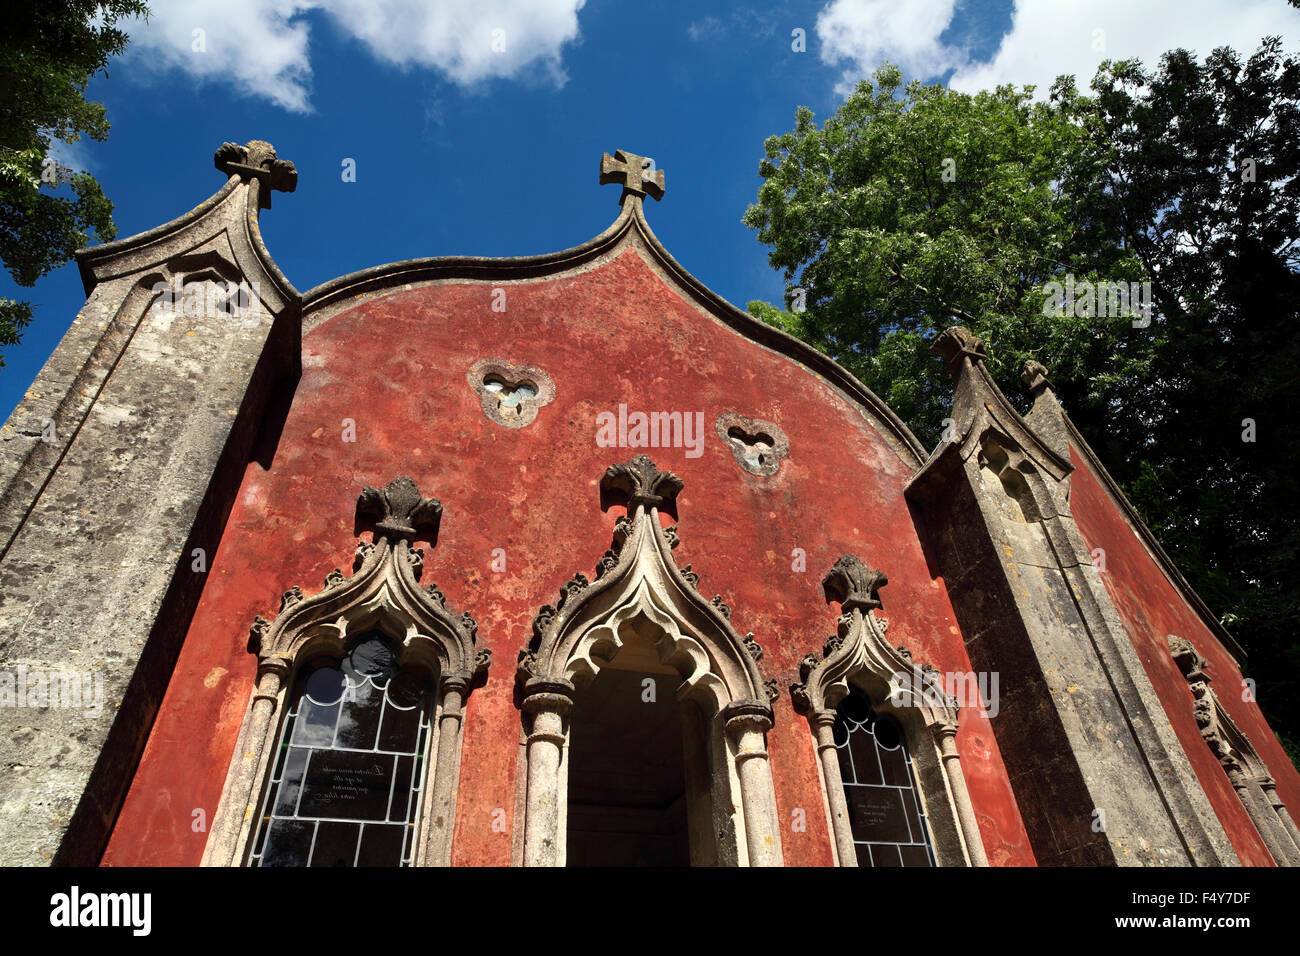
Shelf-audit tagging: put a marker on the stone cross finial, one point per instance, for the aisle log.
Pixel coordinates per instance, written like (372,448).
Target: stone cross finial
(1034,375)
(257,160)
(636,174)
(952,343)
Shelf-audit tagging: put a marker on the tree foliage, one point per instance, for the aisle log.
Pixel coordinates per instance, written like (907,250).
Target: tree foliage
(1205,185)
(916,207)
(48,53)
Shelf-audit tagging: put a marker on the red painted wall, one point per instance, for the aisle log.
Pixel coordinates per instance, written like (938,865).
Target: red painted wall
(396,365)
(1151,608)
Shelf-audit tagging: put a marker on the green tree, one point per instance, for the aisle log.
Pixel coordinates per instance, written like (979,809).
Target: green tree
(48,53)
(1144,180)
(914,208)
(1204,182)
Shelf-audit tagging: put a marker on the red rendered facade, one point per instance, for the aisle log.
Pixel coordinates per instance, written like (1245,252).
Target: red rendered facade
(618,329)
(1151,608)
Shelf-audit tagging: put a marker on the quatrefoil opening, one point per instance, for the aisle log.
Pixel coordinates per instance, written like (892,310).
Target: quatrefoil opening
(511,394)
(758,446)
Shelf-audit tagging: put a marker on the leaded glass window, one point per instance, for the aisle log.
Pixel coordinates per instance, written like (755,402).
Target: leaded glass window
(349,771)
(885,813)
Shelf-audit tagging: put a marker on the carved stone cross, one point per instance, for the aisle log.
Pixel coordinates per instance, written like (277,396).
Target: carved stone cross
(636,174)
(257,160)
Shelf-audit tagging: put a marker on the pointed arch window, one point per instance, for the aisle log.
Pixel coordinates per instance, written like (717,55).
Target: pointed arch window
(348,780)
(886,740)
(886,815)
(349,752)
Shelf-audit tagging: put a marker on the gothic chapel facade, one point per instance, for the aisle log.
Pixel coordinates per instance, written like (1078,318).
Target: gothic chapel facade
(564,560)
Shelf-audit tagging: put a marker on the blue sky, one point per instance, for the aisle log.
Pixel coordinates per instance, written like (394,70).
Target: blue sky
(465,150)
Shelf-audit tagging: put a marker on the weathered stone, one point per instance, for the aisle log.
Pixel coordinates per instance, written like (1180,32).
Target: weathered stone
(636,174)
(1079,723)
(153,415)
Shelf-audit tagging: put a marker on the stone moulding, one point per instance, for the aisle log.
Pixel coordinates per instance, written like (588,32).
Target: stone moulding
(757,445)
(1153,546)
(382,594)
(1246,771)
(486,371)
(858,654)
(641,596)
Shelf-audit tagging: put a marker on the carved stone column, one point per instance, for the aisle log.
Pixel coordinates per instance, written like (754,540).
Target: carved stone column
(1270,828)
(1080,726)
(747,723)
(440,821)
(1235,754)
(858,652)
(945,732)
(637,580)
(1269,786)
(549,702)
(385,581)
(241,784)
(823,722)
(120,418)
(1270,792)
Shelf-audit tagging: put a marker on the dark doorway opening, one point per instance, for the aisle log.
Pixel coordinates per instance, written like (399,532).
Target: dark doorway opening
(627,803)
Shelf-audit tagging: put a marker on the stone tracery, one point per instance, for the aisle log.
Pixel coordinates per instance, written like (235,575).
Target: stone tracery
(858,655)
(381,596)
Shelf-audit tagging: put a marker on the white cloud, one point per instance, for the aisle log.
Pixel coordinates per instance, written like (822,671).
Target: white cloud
(256,45)
(1047,37)
(261,46)
(744,22)
(710,28)
(76,156)
(868,32)
(469,40)
(1051,38)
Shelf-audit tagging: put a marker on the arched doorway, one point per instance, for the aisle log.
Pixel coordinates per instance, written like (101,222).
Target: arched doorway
(584,674)
(627,799)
